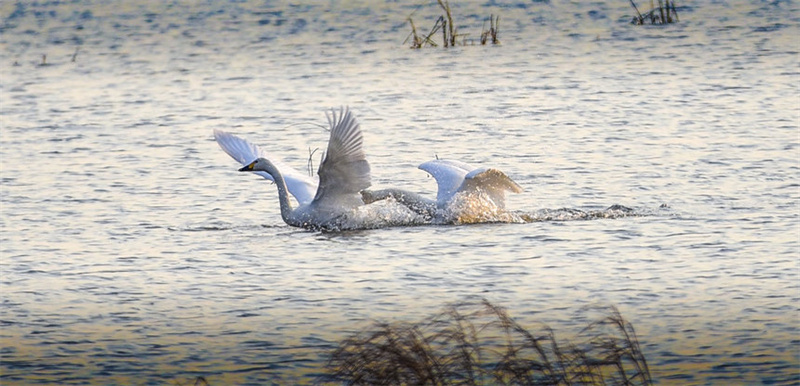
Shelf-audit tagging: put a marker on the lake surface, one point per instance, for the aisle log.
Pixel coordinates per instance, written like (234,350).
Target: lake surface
(133,252)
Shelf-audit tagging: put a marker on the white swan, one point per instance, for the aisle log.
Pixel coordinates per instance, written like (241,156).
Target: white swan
(343,173)
(466,194)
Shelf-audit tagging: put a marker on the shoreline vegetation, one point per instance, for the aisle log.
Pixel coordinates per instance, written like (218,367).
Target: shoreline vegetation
(478,343)
(664,13)
(450,35)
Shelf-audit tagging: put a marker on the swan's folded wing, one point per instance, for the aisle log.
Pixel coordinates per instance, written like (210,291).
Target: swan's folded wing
(449,175)
(344,171)
(243,151)
(492,182)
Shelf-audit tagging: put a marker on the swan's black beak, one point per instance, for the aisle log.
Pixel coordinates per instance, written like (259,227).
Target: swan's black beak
(248,168)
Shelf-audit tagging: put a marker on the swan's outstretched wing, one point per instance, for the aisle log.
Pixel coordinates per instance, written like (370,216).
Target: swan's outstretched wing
(344,171)
(491,182)
(449,175)
(459,177)
(300,186)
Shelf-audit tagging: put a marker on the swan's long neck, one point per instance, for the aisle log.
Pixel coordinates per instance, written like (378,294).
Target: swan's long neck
(283,196)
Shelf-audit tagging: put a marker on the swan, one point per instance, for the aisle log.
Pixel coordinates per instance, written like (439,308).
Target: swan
(343,173)
(466,194)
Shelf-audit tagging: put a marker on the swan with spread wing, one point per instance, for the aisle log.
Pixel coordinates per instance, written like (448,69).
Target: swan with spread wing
(466,194)
(343,173)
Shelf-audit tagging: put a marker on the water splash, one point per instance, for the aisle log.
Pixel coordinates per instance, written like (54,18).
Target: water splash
(474,208)
(571,214)
(380,214)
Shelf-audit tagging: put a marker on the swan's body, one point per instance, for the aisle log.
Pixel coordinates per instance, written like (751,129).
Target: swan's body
(343,173)
(466,194)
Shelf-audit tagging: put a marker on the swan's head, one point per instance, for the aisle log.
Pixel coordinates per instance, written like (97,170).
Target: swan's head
(260,165)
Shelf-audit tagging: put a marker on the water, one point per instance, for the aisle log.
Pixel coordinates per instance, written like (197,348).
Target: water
(133,252)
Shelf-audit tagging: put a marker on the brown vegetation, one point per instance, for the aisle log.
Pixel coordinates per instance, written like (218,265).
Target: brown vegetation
(665,13)
(479,343)
(450,35)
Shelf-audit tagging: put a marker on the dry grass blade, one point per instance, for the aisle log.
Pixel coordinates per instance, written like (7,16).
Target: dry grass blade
(494,26)
(416,42)
(451,39)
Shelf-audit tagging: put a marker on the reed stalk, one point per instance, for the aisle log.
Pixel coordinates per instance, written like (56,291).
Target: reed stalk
(416,42)
(450,35)
(665,13)
(451,39)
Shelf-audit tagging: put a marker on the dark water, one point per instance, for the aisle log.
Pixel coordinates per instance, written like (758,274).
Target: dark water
(133,252)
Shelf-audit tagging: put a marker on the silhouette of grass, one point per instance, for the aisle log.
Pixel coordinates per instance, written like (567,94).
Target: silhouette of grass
(479,343)
(197,381)
(494,29)
(665,13)
(447,25)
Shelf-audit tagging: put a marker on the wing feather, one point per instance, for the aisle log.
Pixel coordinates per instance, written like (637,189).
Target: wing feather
(492,182)
(344,170)
(454,177)
(243,151)
(449,175)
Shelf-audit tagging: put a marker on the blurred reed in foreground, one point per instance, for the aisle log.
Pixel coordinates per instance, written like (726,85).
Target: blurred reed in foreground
(479,343)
